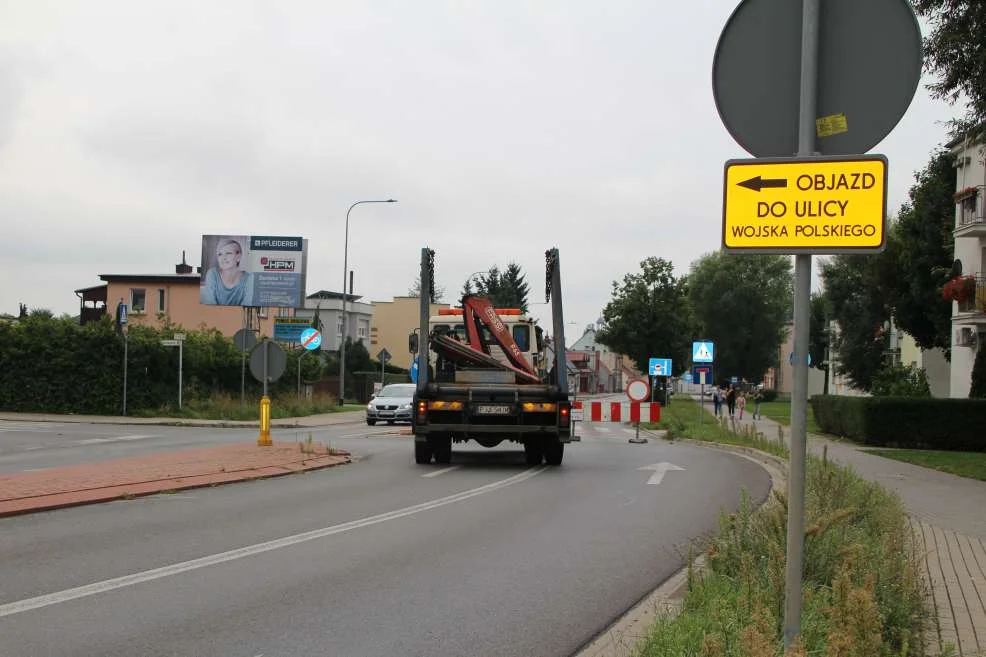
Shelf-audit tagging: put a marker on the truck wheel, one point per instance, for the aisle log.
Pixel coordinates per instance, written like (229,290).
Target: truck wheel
(533,452)
(442,447)
(554,450)
(422,453)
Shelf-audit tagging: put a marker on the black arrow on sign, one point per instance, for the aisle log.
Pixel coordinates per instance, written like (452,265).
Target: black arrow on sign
(758,183)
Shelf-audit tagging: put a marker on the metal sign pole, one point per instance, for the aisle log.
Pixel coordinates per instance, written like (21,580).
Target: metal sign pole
(181,344)
(802,295)
(125,341)
(300,356)
(243,360)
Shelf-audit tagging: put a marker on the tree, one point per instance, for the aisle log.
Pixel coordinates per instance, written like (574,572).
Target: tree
(818,335)
(649,316)
(920,253)
(513,279)
(506,289)
(955,51)
(415,290)
(859,305)
(978,388)
(743,304)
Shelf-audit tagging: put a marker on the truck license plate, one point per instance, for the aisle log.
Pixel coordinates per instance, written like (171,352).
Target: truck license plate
(493,409)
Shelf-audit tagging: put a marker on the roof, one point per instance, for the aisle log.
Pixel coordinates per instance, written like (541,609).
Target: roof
(152,278)
(90,289)
(327,294)
(958,139)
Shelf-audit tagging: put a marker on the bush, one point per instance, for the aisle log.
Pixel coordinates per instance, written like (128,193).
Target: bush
(901,381)
(769,395)
(949,424)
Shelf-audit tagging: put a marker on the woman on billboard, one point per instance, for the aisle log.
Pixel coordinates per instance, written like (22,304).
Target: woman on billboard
(226,284)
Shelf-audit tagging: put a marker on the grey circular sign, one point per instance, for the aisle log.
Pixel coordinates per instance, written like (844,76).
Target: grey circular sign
(869,65)
(245,339)
(277,360)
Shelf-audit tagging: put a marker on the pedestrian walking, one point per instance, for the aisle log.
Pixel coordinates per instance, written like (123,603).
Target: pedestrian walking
(716,400)
(731,400)
(740,403)
(757,399)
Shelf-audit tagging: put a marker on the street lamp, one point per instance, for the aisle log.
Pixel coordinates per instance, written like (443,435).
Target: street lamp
(345,269)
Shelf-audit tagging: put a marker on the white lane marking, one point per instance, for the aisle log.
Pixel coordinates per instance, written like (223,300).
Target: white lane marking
(33,469)
(112,439)
(660,469)
(49,599)
(442,471)
(602,429)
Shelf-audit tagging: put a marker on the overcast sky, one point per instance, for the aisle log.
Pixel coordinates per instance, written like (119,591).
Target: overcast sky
(129,129)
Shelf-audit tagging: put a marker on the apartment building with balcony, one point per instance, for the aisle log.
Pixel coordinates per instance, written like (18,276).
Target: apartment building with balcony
(968,288)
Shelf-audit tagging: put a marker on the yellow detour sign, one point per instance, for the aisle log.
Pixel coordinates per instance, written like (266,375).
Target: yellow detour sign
(811,205)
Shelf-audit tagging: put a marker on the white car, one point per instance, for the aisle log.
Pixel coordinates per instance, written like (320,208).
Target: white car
(391,404)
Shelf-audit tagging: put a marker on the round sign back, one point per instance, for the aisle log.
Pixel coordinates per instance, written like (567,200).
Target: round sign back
(638,390)
(869,65)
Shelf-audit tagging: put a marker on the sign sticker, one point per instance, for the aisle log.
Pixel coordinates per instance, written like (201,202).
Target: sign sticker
(816,205)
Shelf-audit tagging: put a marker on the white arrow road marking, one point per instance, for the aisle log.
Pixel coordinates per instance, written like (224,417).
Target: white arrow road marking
(87,590)
(112,439)
(659,470)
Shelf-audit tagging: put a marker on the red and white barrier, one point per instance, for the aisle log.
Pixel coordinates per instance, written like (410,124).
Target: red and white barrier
(617,411)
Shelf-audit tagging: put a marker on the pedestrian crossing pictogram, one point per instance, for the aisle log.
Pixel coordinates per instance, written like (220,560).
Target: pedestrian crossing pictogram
(703,352)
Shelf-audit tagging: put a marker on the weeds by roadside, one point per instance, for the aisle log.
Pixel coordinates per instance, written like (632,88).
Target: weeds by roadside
(225,407)
(862,593)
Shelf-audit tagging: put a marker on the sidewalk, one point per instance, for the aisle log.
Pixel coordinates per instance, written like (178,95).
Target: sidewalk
(89,483)
(324,419)
(948,521)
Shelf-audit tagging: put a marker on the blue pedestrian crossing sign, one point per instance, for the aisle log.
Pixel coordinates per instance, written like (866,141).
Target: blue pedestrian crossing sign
(703,352)
(659,367)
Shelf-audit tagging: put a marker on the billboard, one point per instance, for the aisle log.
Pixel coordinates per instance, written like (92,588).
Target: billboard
(253,270)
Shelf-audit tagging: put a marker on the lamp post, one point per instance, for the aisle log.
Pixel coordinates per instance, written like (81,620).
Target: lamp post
(345,269)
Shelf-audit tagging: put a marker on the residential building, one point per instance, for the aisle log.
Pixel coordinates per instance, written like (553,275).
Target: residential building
(969,312)
(359,315)
(159,299)
(932,361)
(393,322)
(599,369)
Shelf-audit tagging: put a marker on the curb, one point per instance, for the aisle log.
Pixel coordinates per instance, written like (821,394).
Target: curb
(154,487)
(624,635)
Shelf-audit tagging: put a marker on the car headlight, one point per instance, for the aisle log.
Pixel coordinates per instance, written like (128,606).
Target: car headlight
(405,407)
(369,407)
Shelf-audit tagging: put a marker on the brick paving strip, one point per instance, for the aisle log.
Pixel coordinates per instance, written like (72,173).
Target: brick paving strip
(54,488)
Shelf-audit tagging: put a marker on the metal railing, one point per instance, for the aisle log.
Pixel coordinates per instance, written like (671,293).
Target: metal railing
(977,302)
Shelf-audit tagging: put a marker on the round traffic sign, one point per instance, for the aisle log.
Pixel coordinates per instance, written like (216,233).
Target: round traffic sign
(869,65)
(276,360)
(638,390)
(311,339)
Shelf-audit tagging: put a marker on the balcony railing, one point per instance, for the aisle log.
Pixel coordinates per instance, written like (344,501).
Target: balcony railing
(976,302)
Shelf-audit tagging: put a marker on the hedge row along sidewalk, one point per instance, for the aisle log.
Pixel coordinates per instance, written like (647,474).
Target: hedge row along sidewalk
(863,592)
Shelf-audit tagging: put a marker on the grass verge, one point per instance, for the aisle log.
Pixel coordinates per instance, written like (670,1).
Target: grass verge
(780,412)
(862,592)
(224,407)
(963,464)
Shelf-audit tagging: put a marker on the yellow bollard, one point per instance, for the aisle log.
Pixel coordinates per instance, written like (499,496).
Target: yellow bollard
(264,438)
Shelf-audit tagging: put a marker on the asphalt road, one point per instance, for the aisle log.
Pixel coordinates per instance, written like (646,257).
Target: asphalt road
(379,557)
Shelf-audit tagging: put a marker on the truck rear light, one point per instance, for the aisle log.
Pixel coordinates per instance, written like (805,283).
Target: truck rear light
(530,407)
(422,411)
(444,405)
(564,415)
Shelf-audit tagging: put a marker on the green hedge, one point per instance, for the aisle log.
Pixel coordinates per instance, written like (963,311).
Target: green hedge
(55,365)
(949,424)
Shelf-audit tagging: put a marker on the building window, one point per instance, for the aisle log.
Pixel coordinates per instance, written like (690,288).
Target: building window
(138,299)
(160,300)
(361,331)
(263,312)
